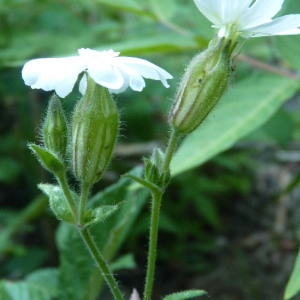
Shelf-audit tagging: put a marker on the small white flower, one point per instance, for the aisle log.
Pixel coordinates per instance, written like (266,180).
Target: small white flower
(106,68)
(134,295)
(248,17)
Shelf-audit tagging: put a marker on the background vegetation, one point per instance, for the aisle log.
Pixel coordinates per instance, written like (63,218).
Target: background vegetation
(230,219)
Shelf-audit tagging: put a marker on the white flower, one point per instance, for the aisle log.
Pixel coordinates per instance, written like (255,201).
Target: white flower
(134,295)
(248,17)
(106,68)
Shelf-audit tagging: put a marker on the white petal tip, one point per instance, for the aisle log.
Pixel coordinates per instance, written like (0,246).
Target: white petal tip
(134,295)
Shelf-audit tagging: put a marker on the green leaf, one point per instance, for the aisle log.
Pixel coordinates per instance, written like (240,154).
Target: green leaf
(34,209)
(47,159)
(288,47)
(244,108)
(163,9)
(47,278)
(124,262)
(58,202)
(40,285)
(156,44)
(293,285)
(126,5)
(185,295)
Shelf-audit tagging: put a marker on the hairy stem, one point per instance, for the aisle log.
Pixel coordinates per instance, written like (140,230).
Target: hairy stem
(100,261)
(154,222)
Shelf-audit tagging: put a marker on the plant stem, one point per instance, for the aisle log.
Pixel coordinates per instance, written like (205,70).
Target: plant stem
(65,188)
(78,215)
(85,189)
(96,254)
(156,202)
(172,145)
(154,222)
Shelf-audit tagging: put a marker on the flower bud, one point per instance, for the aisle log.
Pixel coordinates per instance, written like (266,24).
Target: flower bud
(55,128)
(201,87)
(154,171)
(94,132)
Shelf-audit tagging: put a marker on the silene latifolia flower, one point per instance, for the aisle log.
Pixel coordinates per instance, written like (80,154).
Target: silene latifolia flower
(208,73)
(248,18)
(95,120)
(106,68)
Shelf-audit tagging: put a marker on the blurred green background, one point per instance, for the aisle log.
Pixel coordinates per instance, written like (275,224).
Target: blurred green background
(230,219)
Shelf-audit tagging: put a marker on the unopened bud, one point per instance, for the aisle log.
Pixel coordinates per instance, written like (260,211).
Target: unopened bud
(154,171)
(94,132)
(55,128)
(202,86)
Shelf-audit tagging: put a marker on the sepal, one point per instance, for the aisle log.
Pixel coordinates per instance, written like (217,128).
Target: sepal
(95,125)
(202,86)
(100,214)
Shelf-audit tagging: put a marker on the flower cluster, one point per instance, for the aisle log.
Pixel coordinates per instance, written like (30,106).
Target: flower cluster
(106,68)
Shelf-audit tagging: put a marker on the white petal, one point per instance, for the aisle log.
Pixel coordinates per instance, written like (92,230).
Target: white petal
(221,12)
(143,67)
(83,84)
(260,12)
(286,25)
(101,67)
(117,73)
(136,82)
(134,295)
(106,75)
(212,10)
(234,9)
(59,74)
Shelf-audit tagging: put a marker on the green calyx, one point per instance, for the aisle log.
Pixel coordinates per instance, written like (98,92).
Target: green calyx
(202,86)
(95,125)
(54,130)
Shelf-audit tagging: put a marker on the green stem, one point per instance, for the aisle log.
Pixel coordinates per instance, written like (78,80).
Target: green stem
(106,272)
(172,145)
(65,188)
(156,202)
(78,215)
(154,222)
(85,189)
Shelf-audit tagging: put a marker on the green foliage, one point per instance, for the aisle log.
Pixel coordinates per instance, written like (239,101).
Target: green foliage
(293,285)
(40,285)
(168,32)
(9,170)
(13,222)
(58,202)
(185,295)
(288,45)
